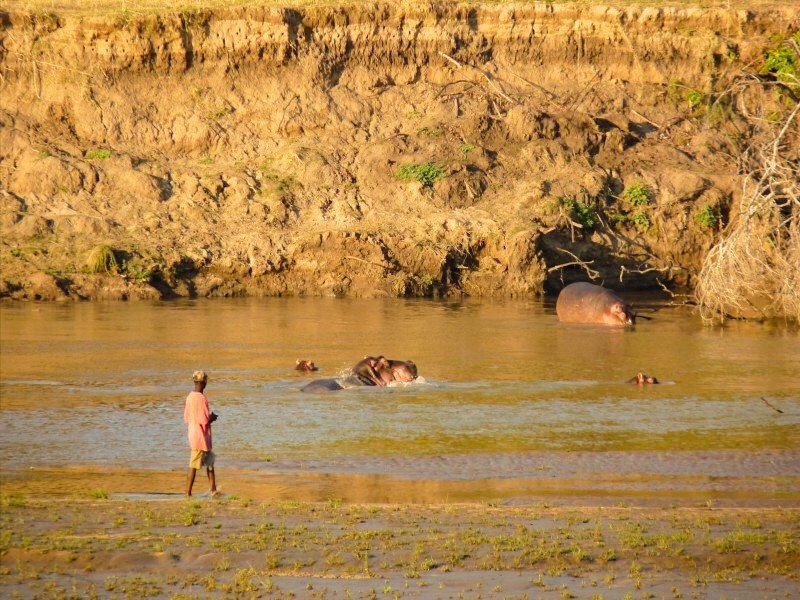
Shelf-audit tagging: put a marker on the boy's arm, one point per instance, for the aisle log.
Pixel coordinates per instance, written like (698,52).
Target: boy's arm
(208,417)
(204,415)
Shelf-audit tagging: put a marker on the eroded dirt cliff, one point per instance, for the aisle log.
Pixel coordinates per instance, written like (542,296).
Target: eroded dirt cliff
(372,149)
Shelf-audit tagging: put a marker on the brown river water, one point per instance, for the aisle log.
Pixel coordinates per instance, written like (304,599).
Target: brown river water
(511,403)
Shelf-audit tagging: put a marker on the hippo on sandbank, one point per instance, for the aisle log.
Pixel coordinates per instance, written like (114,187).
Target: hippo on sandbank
(588,303)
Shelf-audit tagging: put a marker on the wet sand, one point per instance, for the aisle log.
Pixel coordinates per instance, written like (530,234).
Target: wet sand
(580,525)
(166,546)
(729,478)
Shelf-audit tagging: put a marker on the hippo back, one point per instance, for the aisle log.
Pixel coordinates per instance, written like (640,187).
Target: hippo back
(588,303)
(322,385)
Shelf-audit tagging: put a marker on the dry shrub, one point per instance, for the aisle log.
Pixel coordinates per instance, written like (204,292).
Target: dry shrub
(102,260)
(754,271)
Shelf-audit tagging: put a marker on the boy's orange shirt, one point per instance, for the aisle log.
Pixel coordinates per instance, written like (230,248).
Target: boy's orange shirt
(196,415)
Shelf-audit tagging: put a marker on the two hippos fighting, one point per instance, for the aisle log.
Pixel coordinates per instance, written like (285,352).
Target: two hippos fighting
(370,371)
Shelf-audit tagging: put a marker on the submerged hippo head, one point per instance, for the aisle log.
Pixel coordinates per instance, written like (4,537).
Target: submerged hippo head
(305,365)
(623,313)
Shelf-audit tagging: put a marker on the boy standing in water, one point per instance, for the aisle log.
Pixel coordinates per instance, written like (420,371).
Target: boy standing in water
(197,416)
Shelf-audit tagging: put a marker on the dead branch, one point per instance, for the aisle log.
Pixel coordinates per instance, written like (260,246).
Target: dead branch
(368,262)
(441,92)
(593,274)
(764,400)
(452,60)
(623,269)
(492,84)
(38,62)
(285,108)
(584,92)
(549,96)
(688,299)
(641,116)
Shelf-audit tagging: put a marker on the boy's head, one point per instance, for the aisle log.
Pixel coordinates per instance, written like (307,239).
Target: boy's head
(200,379)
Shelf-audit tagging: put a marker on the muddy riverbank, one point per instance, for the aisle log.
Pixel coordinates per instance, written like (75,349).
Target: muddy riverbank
(165,548)
(354,149)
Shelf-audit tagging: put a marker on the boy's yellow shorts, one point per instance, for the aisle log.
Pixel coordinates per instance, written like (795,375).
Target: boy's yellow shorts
(201,458)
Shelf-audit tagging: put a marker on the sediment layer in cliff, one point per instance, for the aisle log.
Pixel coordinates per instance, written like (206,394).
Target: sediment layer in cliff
(371,149)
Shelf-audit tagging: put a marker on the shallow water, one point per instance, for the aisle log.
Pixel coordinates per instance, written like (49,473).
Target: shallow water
(505,385)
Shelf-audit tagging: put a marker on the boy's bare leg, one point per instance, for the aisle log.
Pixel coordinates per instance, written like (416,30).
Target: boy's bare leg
(190,480)
(212,480)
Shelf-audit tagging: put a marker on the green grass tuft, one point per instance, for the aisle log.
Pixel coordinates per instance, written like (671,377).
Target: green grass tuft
(695,98)
(584,213)
(709,217)
(783,61)
(98,154)
(13,501)
(425,173)
(639,219)
(637,194)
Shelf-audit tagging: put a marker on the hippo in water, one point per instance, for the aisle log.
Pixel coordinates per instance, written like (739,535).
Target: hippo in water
(588,303)
(322,385)
(402,371)
(370,371)
(305,365)
(364,372)
(641,379)
(367,370)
